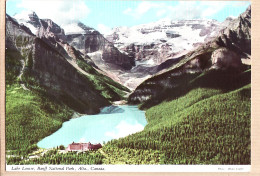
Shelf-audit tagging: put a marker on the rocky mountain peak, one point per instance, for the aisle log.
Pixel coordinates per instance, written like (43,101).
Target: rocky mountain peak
(33,16)
(237,35)
(30,19)
(50,28)
(26,15)
(90,42)
(84,27)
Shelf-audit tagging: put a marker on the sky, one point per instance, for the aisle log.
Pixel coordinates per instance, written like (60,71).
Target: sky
(106,14)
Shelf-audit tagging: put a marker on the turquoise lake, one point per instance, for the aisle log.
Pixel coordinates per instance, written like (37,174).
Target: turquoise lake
(112,122)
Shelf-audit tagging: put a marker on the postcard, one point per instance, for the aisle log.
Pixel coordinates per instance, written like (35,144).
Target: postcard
(127,86)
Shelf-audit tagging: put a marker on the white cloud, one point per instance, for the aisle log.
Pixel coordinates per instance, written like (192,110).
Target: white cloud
(103,29)
(124,129)
(241,3)
(141,9)
(161,12)
(59,11)
(128,11)
(182,10)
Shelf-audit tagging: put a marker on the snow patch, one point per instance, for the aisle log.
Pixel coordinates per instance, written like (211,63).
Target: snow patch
(149,62)
(95,53)
(152,33)
(73,28)
(23,18)
(24,15)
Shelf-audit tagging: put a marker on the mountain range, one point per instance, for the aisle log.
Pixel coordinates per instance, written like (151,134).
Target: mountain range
(227,50)
(131,54)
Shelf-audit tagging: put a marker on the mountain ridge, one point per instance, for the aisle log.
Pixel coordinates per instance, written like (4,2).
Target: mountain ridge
(132,63)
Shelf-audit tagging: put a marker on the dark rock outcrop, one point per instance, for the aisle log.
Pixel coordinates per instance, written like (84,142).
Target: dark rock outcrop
(55,73)
(34,19)
(237,36)
(225,58)
(49,28)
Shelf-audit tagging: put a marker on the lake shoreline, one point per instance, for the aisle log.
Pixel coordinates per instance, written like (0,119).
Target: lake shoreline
(115,103)
(115,121)
(120,102)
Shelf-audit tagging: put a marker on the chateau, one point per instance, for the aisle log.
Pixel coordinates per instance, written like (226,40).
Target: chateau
(83,146)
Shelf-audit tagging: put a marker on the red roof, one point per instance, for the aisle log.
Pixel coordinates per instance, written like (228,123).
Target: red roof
(83,146)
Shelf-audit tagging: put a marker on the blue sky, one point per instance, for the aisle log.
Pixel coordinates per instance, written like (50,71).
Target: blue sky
(105,14)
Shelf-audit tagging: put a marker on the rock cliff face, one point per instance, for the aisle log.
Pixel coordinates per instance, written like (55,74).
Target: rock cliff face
(224,52)
(50,64)
(45,29)
(16,34)
(237,36)
(54,35)
(39,27)
(88,40)
(55,73)
(50,29)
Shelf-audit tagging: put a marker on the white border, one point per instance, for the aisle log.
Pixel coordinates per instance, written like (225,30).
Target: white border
(129,168)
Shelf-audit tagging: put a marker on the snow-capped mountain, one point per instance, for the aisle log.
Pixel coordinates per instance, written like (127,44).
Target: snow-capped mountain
(39,27)
(78,35)
(31,20)
(163,39)
(156,46)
